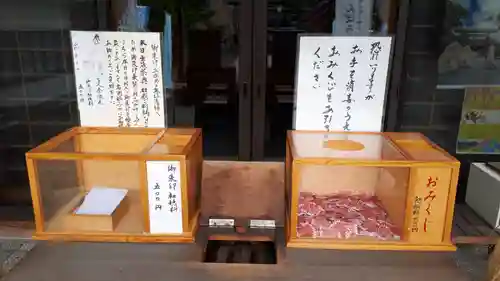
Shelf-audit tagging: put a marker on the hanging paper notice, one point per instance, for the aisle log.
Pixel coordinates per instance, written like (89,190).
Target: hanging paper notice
(341,83)
(165,197)
(118,77)
(353,17)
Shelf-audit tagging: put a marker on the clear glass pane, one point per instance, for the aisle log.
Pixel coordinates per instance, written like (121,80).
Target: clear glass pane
(37,94)
(352,202)
(343,146)
(66,184)
(206,56)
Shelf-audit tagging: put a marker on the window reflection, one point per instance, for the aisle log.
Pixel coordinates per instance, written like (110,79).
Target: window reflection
(37,98)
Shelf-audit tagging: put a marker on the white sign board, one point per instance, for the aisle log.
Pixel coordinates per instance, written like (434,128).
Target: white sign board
(118,78)
(353,17)
(341,83)
(164,197)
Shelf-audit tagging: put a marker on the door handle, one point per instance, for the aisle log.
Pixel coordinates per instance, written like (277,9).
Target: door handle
(245,90)
(258,93)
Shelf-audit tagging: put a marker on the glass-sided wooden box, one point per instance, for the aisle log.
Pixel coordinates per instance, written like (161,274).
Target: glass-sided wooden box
(384,191)
(75,178)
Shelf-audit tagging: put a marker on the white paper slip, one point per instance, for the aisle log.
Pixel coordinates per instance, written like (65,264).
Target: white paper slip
(101,201)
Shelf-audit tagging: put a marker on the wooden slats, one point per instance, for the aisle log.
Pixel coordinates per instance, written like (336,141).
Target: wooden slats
(240,252)
(469,228)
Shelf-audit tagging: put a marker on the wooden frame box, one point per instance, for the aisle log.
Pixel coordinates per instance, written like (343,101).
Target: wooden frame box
(369,191)
(158,169)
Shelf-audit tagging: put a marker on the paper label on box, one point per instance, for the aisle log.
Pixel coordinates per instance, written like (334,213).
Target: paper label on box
(118,78)
(165,197)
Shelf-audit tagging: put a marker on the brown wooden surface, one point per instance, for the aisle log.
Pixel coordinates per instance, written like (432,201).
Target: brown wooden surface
(250,190)
(87,261)
(469,228)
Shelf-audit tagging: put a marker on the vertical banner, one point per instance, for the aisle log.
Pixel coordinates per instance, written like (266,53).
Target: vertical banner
(341,83)
(118,77)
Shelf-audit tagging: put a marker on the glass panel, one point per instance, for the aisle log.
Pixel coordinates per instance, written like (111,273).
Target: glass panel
(37,94)
(346,202)
(344,146)
(66,184)
(37,91)
(107,143)
(206,38)
(285,21)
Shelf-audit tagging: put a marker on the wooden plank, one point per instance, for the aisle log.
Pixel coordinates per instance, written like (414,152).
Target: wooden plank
(223,253)
(476,240)
(456,230)
(243,190)
(475,221)
(464,225)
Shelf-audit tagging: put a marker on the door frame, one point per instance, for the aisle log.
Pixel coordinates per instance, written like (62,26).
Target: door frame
(259,71)
(399,14)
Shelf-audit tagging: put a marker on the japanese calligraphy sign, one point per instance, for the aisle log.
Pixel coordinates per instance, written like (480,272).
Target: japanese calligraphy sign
(353,17)
(164,197)
(428,203)
(341,83)
(118,77)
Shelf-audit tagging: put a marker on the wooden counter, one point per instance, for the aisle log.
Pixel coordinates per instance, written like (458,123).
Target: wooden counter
(92,261)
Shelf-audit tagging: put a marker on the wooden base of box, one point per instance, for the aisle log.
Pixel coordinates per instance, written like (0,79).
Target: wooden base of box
(369,245)
(96,222)
(129,228)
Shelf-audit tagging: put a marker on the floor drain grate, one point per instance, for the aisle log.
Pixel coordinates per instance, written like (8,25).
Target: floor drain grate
(240,252)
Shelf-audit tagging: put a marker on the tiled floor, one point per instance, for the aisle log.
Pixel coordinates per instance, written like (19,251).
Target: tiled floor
(473,260)
(12,252)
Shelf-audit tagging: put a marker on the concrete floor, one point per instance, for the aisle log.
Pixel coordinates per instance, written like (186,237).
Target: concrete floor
(472,260)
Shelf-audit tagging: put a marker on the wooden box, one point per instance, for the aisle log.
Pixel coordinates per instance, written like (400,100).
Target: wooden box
(383,191)
(75,178)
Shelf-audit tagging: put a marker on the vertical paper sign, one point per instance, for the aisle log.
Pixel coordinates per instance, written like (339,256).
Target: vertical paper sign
(118,78)
(341,83)
(353,17)
(165,197)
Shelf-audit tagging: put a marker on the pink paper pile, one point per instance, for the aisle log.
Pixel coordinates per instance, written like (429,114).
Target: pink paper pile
(343,216)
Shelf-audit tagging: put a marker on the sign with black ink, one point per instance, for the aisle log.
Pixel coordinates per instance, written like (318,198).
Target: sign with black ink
(341,83)
(353,17)
(118,78)
(165,197)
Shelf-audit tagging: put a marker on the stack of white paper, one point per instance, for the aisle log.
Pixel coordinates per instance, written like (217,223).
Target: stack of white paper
(101,201)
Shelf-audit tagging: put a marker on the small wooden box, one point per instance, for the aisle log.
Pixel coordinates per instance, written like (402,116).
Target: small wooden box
(79,222)
(384,191)
(159,168)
